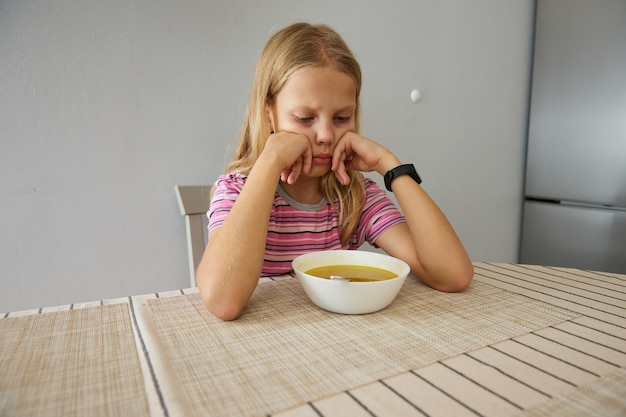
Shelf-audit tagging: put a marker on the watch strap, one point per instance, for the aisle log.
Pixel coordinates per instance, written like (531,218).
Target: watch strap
(405,169)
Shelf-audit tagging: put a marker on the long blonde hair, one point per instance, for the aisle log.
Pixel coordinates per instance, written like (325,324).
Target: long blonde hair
(296,46)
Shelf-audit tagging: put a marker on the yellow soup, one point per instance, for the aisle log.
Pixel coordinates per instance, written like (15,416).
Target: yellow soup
(356,273)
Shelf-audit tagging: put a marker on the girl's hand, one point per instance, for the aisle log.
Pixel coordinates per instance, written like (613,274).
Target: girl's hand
(293,153)
(357,152)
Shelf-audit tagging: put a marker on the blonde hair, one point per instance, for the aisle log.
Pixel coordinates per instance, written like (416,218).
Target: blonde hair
(296,46)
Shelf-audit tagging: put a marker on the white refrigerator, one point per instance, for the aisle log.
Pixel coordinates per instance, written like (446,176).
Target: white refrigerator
(575,191)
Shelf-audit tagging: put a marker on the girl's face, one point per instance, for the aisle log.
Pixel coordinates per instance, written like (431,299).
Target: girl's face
(319,103)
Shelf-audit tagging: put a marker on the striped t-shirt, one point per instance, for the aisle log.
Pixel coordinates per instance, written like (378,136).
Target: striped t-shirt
(296,228)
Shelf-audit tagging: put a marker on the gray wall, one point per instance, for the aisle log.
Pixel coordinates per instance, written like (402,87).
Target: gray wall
(106,105)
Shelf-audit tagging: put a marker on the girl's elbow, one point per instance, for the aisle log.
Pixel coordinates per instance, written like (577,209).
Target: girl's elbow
(226,311)
(220,305)
(463,277)
(449,279)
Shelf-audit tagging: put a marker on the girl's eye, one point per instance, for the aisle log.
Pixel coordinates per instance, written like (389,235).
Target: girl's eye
(311,119)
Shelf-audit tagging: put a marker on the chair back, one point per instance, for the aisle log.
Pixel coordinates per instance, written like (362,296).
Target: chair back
(194,201)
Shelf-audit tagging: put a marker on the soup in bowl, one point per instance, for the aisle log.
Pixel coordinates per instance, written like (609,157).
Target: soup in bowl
(371,281)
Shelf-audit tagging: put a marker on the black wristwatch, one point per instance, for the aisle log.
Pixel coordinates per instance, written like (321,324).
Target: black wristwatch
(406,169)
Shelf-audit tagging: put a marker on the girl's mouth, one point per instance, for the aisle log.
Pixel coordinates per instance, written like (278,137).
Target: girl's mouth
(322,159)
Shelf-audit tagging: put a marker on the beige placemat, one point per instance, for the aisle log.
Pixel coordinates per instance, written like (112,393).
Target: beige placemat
(284,351)
(71,363)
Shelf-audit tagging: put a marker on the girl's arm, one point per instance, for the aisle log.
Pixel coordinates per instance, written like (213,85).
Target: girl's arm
(231,264)
(427,241)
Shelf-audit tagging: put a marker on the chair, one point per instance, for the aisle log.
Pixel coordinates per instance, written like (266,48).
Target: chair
(194,201)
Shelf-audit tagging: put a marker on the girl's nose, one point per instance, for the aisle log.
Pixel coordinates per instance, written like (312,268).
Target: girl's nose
(325,134)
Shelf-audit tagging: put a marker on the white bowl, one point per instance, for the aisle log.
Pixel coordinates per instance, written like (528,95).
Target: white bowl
(350,297)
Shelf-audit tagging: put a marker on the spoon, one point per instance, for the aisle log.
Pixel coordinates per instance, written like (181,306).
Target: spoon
(339,278)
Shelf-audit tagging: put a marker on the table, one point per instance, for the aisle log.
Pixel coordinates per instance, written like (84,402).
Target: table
(522,340)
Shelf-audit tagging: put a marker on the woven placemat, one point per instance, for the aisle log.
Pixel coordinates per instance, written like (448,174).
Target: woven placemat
(79,362)
(284,351)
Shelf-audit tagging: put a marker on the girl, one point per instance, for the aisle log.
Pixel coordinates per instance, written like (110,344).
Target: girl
(295,184)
